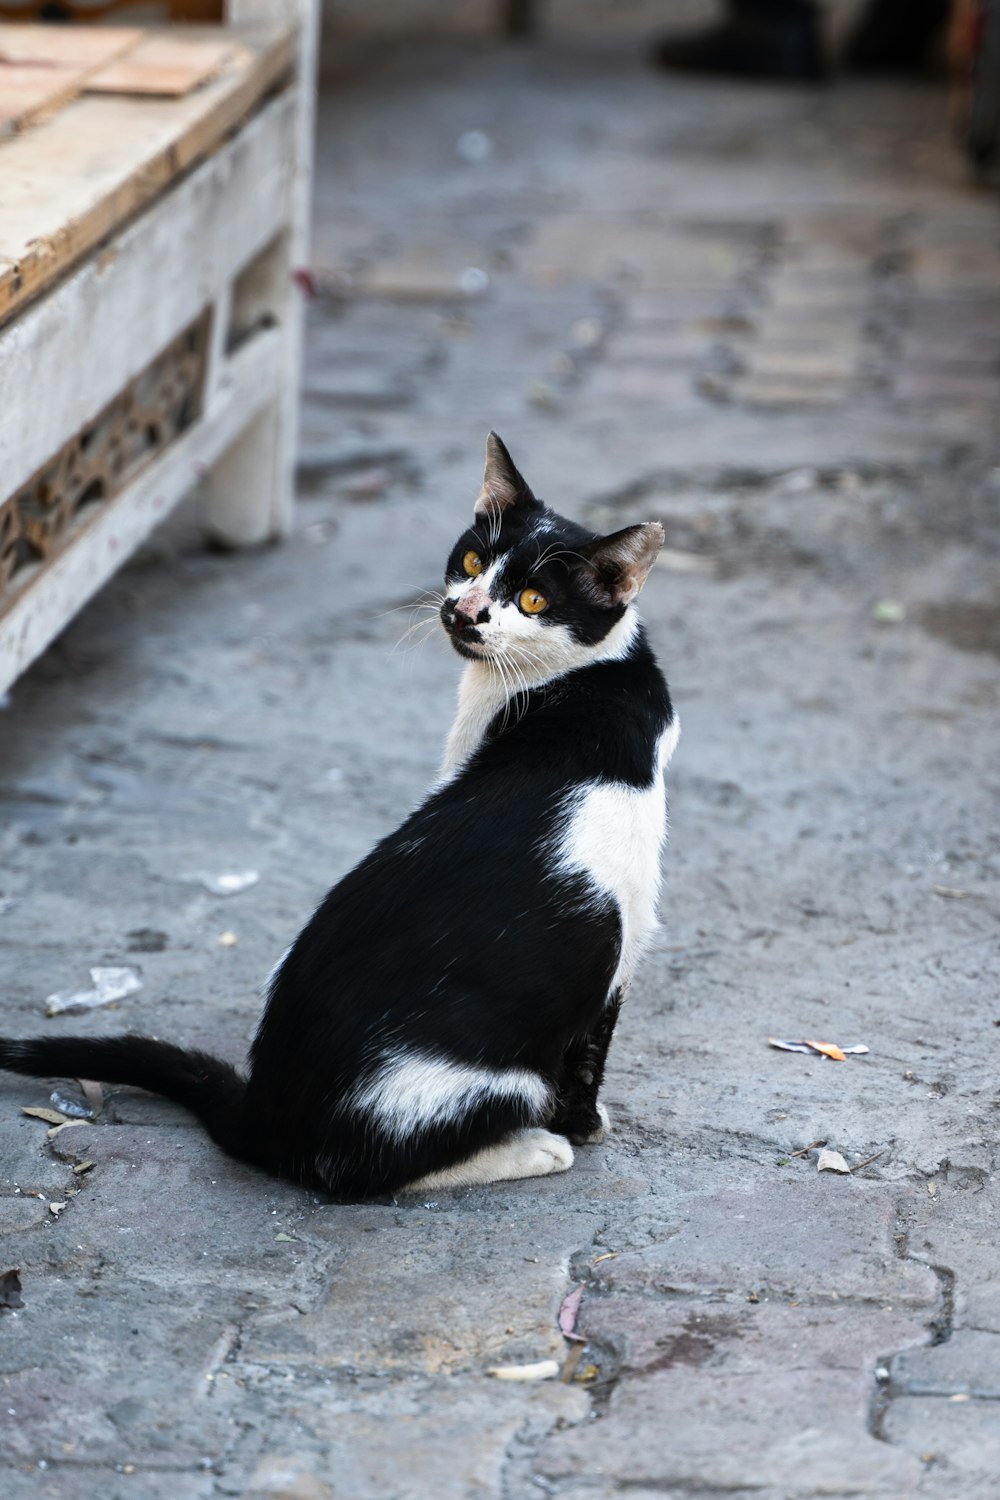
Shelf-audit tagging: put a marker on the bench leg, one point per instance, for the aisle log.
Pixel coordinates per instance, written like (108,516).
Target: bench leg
(250,489)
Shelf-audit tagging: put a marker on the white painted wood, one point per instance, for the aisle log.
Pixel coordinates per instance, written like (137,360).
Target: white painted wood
(105,323)
(244,489)
(48,599)
(84,341)
(275,512)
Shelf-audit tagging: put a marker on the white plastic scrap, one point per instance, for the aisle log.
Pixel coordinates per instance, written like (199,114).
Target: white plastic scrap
(110,984)
(229,884)
(545,1369)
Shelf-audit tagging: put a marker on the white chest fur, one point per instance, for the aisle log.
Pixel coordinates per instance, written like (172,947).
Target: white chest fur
(486,686)
(614,835)
(481,695)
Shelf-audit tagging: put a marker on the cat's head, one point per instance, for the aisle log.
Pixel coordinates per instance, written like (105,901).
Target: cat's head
(528,587)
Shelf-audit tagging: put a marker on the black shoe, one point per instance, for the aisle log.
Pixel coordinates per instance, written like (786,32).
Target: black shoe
(896,36)
(787,46)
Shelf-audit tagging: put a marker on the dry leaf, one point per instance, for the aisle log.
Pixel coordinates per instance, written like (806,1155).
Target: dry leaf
(545,1369)
(567,1315)
(93,1093)
(52,1116)
(832,1161)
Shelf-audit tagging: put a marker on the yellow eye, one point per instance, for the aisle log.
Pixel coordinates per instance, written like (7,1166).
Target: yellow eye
(473,564)
(532,602)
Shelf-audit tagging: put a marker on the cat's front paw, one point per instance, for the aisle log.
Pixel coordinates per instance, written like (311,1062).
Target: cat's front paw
(541,1152)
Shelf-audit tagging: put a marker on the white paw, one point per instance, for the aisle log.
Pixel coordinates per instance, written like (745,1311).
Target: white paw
(601,1133)
(540,1152)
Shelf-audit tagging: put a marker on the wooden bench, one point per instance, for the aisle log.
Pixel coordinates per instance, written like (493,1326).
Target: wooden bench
(150,322)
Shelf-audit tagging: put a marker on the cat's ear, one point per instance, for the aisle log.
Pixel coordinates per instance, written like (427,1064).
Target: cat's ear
(617,565)
(503,487)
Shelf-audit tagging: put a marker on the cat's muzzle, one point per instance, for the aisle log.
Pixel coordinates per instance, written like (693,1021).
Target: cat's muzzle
(462,631)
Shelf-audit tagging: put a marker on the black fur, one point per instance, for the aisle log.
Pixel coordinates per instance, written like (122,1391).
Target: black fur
(454,938)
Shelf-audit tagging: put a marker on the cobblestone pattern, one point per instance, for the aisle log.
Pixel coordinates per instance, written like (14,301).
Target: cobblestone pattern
(771,319)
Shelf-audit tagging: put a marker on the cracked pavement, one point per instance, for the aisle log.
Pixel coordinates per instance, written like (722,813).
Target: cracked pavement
(771,319)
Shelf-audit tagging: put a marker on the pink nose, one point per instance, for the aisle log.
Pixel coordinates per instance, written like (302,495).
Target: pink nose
(472,607)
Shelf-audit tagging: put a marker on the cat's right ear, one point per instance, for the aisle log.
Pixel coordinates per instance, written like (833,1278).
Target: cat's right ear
(503,486)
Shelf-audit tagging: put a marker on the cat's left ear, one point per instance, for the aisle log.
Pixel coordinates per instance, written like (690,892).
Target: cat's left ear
(617,565)
(503,486)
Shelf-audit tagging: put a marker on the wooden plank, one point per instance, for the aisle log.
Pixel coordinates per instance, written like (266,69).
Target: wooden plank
(80,47)
(69,182)
(163,65)
(47,598)
(30,91)
(44,67)
(84,341)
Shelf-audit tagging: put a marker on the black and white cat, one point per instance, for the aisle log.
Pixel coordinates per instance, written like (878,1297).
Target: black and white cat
(444,1017)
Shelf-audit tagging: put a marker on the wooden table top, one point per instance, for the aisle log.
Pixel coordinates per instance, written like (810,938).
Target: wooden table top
(92,132)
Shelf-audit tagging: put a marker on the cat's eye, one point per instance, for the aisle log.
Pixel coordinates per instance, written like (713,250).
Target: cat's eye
(473,564)
(531,602)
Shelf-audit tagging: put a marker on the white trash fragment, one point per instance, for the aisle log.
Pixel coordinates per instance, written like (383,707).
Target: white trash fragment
(474,281)
(229,884)
(832,1161)
(587,333)
(70,1107)
(474,146)
(545,1369)
(110,984)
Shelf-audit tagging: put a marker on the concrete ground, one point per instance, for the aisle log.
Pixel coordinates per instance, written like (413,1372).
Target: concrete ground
(770,318)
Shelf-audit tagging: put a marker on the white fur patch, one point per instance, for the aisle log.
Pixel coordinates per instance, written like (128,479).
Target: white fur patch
(614,835)
(407,1094)
(528,1153)
(522,654)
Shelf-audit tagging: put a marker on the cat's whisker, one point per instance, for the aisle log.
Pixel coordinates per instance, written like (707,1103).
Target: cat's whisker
(428,599)
(426,627)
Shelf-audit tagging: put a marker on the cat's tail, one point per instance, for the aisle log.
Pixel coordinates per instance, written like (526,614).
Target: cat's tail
(211,1089)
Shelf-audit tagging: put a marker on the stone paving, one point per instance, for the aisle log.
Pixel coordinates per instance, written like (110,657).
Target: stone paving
(770,318)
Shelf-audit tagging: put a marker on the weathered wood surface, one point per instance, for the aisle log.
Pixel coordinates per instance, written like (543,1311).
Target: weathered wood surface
(70,181)
(64,46)
(163,63)
(44,67)
(103,323)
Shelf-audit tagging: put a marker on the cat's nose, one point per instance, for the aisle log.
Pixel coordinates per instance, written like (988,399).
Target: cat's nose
(470,611)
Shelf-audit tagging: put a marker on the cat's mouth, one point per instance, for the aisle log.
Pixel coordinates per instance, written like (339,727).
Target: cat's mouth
(470,645)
